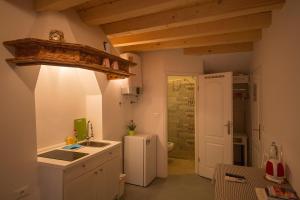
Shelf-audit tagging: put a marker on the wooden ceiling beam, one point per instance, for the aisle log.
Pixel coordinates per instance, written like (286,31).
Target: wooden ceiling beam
(228,38)
(236,24)
(217,49)
(119,10)
(56,5)
(190,15)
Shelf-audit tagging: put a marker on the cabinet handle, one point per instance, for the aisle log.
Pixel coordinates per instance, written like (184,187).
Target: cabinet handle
(83,166)
(100,170)
(96,172)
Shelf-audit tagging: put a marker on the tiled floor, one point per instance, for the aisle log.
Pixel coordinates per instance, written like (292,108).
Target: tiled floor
(181,184)
(180,166)
(175,187)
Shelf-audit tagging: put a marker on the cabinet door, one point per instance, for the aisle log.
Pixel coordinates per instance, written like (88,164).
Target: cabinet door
(81,188)
(112,170)
(100,184)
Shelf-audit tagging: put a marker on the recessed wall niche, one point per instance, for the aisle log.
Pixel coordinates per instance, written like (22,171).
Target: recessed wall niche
(63,94)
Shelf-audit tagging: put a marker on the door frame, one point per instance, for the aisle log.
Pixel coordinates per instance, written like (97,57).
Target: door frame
(256,74)
(196,75)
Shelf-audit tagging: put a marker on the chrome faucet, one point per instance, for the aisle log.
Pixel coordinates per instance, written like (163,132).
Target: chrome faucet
(92,130)
(89,126)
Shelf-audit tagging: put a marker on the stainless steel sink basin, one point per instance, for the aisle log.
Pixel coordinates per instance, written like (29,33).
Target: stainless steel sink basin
(94,144)
(63,155)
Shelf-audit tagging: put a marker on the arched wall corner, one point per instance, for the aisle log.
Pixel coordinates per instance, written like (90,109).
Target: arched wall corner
(75,31)
(63,94)
(29,75)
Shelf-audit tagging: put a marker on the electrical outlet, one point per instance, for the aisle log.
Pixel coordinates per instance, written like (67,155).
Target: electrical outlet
(21,192)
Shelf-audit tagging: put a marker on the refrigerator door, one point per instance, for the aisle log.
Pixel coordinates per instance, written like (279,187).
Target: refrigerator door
(133,160)
(149,159)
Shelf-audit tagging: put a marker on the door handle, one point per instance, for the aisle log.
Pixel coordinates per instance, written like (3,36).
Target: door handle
(228,125)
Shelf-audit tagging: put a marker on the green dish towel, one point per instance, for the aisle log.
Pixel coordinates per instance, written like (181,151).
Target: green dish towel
(80,127)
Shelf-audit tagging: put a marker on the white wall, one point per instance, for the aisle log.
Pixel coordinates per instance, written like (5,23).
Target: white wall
(117,110)
(63,94)
(150,111)
(278,55)
(235,62)
(94,114)
(18,143)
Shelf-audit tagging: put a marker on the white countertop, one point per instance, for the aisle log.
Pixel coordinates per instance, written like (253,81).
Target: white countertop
(92,151)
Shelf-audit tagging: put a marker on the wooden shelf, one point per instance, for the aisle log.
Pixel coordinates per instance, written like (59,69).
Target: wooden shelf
(31,51)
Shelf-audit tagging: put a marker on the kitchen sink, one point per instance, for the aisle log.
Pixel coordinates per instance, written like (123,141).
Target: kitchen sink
(63,155)
(94,144)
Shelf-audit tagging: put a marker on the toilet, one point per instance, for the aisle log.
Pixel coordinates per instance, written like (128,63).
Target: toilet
(170,146)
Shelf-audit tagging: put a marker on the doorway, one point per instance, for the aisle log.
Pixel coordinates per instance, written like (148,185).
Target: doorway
(208,101)
(181,114)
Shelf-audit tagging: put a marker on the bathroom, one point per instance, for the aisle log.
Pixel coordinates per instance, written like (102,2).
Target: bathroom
(181,124)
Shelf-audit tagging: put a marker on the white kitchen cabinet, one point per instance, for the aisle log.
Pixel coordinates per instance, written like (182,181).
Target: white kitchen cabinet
(83,187)
(111,175)
(100,185)
(94,185)
(95,178)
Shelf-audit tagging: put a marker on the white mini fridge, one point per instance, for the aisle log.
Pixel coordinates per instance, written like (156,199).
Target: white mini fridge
(140,159)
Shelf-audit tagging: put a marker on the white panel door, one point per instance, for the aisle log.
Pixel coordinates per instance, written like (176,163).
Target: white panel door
(256,123)
(215,122)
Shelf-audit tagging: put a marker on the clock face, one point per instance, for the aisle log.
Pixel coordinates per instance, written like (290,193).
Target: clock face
(56,35)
